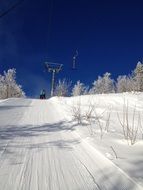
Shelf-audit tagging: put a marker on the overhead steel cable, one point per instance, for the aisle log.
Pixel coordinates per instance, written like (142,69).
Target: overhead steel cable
(49,23)
(10,8)
(51,5)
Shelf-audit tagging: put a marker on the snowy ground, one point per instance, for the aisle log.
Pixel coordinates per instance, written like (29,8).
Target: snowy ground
(42,147)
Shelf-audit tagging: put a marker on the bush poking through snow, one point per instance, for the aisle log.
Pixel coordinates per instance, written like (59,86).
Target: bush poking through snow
(100,125)
(107,123)
(130,128)
(89,116)
(77,113)
(141,126)
(114,152)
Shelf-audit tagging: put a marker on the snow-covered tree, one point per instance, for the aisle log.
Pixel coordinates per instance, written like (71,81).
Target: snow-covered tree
(108,83)
(103,85)
(122,84)
(97,86)
(125,84)
(130,84)
(62,88)
(138,77)
(2,87)
(8,86)
(79,89)
(133,82)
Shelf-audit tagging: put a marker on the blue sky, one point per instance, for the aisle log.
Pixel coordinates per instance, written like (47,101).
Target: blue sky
(107,34)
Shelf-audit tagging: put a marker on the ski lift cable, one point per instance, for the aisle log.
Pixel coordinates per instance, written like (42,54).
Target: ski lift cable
(11,8)
(51,5)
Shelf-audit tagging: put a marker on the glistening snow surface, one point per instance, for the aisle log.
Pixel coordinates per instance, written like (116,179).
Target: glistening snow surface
(42,149)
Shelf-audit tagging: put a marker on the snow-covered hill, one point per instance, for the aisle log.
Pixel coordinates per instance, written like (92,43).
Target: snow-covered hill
(42,146)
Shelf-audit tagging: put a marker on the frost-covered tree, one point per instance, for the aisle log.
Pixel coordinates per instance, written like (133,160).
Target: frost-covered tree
(86,90)
(2,87)
(125,84)
(8,86)
(133,82)
(130,84)
(103,85)
(97,86)
(62,88)
(79,89)
(138,77)
(108,83)
(122,84)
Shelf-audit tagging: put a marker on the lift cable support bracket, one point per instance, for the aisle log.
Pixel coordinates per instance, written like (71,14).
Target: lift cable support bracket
(57,67)
(74,59)
(53,68)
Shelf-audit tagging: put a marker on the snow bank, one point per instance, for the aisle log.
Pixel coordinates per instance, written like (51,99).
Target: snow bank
(113,143)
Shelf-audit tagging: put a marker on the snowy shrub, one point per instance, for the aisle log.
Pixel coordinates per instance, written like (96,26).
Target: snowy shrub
(98,122)
(81,113)
(130,124)
(102,121)
(107,123)
(89,115)
(76,112)
(141,126)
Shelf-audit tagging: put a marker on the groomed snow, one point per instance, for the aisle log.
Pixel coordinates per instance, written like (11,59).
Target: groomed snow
(42,148)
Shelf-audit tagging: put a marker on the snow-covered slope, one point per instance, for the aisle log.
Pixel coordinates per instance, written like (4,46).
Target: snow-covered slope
(42,148)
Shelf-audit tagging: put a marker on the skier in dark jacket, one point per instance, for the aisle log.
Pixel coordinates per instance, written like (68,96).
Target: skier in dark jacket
(43,94)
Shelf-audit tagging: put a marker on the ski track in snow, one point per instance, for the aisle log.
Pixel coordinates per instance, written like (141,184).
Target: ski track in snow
(39,151)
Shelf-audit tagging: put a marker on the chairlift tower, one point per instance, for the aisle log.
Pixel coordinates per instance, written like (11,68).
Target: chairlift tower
(53,68)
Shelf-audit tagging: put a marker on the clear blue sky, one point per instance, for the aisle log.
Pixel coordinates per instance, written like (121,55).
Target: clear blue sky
(107,34)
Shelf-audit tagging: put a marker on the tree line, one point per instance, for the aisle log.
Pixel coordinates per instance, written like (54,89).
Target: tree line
(104,84)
